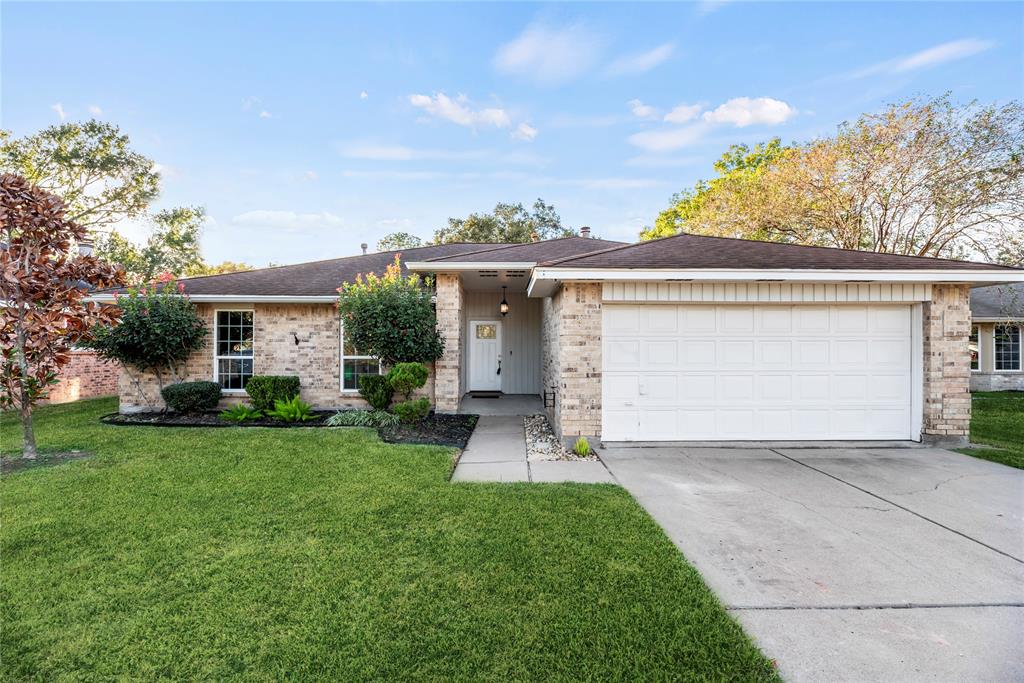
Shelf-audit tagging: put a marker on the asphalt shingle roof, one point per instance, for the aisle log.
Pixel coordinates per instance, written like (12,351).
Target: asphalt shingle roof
(533,252)
(998,301)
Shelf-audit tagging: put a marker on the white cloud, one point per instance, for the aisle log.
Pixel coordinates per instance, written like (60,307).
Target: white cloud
(363,95)
(288,220)
(669,139)
(933,56)
(682,113)
(706,7)
(59,108)
(264,114)
(311,175)
(642,62)
(745,111)
(95,110)
(656,161)
(166,171)
(641,110)
(250,102)
(525,131)
(460,112)
(376,152)
(550,55)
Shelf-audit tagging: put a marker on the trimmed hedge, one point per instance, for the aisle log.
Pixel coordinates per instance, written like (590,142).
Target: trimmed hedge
(191,397)
(410,412)
(266,390)
(406,378)
(377,391)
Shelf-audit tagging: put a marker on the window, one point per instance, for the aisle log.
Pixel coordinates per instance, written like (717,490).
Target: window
(489,331)
(1007,347)
(232,363)
(975,348)
(355,365)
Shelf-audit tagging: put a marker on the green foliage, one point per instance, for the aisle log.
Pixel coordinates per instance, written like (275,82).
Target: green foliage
(396,241)
(292,410)
(410,412)
(581,447)
(363,418)
(377,391)
(406,378)
(240,413)
(390,317)
(510,223)
(191,397)
(158,330)
(266,390)
(172,246)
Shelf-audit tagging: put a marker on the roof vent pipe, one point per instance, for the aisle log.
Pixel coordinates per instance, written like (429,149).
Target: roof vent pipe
(363,245)
(585,232)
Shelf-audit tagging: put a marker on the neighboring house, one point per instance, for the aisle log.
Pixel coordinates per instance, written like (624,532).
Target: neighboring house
(86,376)
(997,335)
(686,338)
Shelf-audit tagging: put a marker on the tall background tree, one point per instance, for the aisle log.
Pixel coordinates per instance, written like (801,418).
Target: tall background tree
(511,223)
(43,285)
(396,241)
(925,177)
(172,246)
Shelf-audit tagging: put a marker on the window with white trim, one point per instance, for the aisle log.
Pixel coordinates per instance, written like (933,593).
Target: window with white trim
(355,365)
(233,346)
(975,348)
(1006,344)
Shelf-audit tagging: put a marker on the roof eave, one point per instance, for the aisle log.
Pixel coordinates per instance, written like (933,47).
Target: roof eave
(450,267)
(241,298)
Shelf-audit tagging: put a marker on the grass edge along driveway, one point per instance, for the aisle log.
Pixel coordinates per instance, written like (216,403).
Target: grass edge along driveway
(997,420)
(312,554)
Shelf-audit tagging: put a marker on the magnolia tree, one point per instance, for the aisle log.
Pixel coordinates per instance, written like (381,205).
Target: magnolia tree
(44,284)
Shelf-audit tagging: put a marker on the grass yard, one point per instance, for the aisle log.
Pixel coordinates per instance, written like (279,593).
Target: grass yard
(997,419)
(325,554)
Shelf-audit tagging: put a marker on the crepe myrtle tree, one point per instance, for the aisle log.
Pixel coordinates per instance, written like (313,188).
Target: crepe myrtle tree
(44,284)
(391,317)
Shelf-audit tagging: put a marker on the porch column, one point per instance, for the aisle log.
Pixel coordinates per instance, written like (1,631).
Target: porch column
(448,368)
(947,365)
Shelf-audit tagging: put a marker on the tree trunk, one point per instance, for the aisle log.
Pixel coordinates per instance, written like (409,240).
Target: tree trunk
(29,450)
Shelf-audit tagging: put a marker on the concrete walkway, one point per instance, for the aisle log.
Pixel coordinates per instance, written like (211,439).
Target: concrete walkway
(497,452)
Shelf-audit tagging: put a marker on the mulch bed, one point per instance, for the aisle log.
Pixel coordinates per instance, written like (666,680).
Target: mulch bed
(435,430)
(16,463)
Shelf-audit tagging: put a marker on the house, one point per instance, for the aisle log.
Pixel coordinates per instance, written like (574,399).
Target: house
(686,338)
(997,328)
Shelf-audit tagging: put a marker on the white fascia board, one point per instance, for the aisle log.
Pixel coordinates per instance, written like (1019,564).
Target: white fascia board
(445,267)
(780,275)
(239,299)
(1005,319)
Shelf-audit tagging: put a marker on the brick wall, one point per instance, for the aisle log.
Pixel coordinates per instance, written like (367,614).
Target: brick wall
(86,376)
(947,364)
(571,359)
(315,359)
(448,386)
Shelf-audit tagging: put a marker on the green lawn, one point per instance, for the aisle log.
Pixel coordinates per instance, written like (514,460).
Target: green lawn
(316,554)
(997,419)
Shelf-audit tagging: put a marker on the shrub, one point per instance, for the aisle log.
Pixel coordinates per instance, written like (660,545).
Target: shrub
(410,412)
(581,447)
(292,410)
(377,391)
(406,378)
(266,390)
(191,397)
(391,317)
(240,413)
(363,418)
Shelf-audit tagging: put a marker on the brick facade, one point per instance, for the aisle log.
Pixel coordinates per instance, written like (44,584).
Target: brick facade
(448,383)
(86,376)
(947,364)
(571,359)
(315,359)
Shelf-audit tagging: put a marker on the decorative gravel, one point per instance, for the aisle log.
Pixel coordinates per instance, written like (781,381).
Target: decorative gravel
(541,443)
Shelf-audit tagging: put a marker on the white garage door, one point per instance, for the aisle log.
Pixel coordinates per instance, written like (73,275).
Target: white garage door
(687,372)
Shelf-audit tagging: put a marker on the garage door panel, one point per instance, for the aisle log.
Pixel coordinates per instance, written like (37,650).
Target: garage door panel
(739,372)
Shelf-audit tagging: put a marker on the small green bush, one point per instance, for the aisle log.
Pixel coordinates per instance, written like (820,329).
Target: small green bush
(414,411)
(581,447)
(292,410)
(240,413)
(266,390)
(363,418)
(191,397)
(377,391)
(406,378)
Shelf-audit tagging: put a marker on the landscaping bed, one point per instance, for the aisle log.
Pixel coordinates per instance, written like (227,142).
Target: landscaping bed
(436,430)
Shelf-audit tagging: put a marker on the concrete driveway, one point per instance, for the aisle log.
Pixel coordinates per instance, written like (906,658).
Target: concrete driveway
(868,564)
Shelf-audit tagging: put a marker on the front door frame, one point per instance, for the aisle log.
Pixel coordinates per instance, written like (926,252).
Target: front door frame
(469,352)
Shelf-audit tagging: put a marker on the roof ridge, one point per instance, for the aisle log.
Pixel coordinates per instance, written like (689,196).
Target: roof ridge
(524,244)
(605,251)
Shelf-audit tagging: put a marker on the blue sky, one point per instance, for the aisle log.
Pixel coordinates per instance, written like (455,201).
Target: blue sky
(306,129)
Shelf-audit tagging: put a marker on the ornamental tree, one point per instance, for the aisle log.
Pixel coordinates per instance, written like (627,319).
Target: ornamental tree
(391,317)
(44,283)
(158,330)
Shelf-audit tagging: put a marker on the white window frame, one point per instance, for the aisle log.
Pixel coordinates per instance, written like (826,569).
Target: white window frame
(976,329)
(1020,347)
(217,358)
(342,358)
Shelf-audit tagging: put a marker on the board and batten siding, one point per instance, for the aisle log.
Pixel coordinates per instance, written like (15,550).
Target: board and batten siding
(520,337)
(766,292)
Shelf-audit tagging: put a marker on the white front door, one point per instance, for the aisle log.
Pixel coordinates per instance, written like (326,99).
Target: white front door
(484,355)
